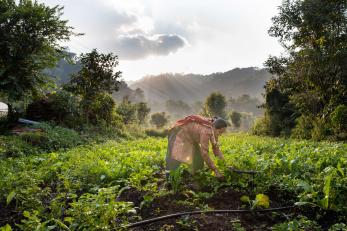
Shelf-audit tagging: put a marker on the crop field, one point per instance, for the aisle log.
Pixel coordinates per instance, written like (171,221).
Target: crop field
(111,185)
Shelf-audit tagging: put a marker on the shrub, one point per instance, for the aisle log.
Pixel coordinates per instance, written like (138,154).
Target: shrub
(13,146)
(321,129)
(159,119)
(236,118)
(303,128)
(101,132)
(53,137)
(134,131)
(261,126)
(215,105)
(127,111)
(339,119)
(101,109)
(61,107)
(297,224)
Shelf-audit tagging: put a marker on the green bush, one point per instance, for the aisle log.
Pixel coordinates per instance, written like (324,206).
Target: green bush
(134,131)
(53,137)
(338,227)
(159,119)
(303,128)
(102,132)
(13,146)
(99,211)
(34,138)
(100,110)
(297,224)
(339,119)
(261,127)
(321,129)
(127,112)
(61,107)
(235,118)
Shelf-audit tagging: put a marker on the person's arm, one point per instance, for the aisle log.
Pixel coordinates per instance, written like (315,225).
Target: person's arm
(215,147)
(204,142)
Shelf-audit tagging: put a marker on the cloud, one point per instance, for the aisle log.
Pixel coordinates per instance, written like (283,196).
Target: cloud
(122,27)
(141,46)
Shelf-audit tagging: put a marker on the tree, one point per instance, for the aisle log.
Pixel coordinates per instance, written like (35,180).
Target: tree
(236,118)
(101,109)
(177,108)
(138,95)
(127,111)
(311,80)
(60,106)
(215,105)
(159,119)
(142,112)
(245,103)
(96,77)
(30,34)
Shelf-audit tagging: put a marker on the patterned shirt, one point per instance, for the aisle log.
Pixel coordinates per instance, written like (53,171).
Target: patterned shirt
(194,133)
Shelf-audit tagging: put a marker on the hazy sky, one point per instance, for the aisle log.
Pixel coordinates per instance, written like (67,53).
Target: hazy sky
(181,36)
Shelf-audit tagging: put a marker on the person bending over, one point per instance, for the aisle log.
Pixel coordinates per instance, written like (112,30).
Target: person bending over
(188,142)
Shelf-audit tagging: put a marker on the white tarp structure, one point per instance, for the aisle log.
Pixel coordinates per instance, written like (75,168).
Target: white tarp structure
(3,109)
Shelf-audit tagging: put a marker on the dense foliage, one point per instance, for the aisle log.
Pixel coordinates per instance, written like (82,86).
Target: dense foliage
(82,188)
(30,36)
(215,105)
(59,106)
(95,82)
(159,119)
(310,80)
(235,118)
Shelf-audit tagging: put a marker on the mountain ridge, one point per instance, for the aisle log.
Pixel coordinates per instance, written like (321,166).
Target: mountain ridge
(194,87)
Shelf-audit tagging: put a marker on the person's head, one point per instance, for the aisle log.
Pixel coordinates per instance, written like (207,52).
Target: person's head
(220,125)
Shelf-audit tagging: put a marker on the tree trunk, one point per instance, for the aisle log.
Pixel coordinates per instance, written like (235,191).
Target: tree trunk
(11,114)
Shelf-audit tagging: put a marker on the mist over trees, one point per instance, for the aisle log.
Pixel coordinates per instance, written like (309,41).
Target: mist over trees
(245,103)
(178,109)
(192,87)
(305,97)
(215,105)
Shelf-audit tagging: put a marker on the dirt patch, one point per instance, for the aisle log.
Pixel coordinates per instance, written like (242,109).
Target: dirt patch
(131,195)
(8,215)
(225,199)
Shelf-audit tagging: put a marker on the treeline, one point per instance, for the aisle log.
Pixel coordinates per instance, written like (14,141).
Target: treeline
(307,97)
(86,97)
(30,34)
(244,103)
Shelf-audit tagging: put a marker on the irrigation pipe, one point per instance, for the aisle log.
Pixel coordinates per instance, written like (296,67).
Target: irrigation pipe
(132,225)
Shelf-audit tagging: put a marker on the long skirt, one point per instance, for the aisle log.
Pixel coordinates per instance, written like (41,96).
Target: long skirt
(172,164)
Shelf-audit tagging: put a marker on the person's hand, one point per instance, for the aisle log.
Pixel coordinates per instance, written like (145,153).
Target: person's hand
(218,175)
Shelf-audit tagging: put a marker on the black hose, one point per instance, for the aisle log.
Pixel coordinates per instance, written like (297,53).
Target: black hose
(132,225)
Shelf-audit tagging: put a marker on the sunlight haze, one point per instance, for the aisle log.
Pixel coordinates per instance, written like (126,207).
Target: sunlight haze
(153,37)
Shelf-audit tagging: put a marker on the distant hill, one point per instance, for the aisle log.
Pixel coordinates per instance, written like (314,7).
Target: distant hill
(62,74)
(64,69)
(188,88)
(191,87)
